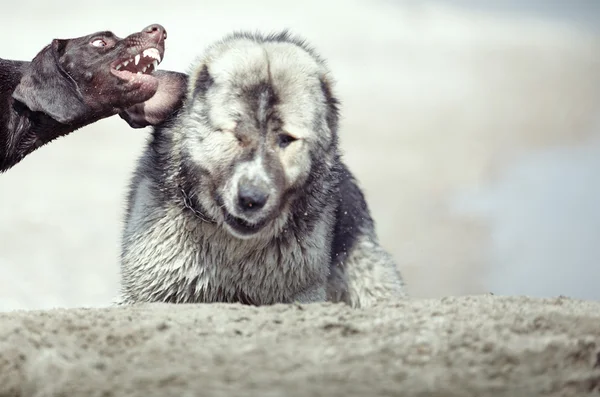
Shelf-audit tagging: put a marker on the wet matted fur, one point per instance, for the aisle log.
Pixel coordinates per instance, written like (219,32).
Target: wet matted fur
(241,194)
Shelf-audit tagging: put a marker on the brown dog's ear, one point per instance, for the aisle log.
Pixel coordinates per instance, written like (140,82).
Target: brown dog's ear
(46,87)
(172,87)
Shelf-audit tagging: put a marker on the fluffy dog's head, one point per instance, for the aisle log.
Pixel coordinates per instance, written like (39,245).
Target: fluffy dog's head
(258,132)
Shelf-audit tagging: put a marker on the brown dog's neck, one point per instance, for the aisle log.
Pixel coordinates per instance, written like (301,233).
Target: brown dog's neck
(30,130)
(21,130)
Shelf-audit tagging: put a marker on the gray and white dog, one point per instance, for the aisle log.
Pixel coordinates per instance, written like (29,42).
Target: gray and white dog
(241,194)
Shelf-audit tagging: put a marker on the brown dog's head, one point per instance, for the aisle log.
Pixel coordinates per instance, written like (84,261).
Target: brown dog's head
(94,76)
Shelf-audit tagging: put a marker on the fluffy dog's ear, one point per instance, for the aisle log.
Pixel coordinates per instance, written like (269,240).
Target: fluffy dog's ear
(172,87)
(46,87)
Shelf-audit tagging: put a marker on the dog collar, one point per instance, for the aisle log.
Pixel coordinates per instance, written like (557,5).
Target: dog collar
(189,204)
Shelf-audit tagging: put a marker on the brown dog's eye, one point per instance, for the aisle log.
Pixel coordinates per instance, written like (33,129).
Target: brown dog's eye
(99,43)
(283,140)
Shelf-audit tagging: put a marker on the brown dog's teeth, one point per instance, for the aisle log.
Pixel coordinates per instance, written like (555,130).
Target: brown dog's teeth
(152,53)
(144,63)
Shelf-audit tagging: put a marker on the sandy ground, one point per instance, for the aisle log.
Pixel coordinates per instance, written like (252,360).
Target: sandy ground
(467,346)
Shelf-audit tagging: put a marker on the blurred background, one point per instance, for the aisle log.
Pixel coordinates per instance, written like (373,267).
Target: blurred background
(473,126)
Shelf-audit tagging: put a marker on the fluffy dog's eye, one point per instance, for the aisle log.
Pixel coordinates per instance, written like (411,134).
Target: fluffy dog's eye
(284,140)
(99,43)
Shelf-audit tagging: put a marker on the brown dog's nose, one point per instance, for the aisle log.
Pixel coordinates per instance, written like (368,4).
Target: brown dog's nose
(156,31)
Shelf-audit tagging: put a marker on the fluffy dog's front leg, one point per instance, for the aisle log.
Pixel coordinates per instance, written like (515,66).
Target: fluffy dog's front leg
(312,295)
(366,276)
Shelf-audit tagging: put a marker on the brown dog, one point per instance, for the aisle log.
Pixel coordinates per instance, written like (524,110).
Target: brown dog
(75,82)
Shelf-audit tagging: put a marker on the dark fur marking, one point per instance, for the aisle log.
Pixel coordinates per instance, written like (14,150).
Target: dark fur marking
(204,82)
(261,99)
(352,215)
(332,104)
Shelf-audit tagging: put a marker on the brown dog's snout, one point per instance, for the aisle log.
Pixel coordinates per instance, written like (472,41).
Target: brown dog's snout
(156,32)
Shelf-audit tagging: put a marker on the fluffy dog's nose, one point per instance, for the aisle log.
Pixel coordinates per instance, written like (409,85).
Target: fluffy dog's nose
(156,31)
(252,197)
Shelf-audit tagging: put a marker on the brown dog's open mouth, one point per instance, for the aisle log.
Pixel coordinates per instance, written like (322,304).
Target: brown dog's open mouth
(143,63)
